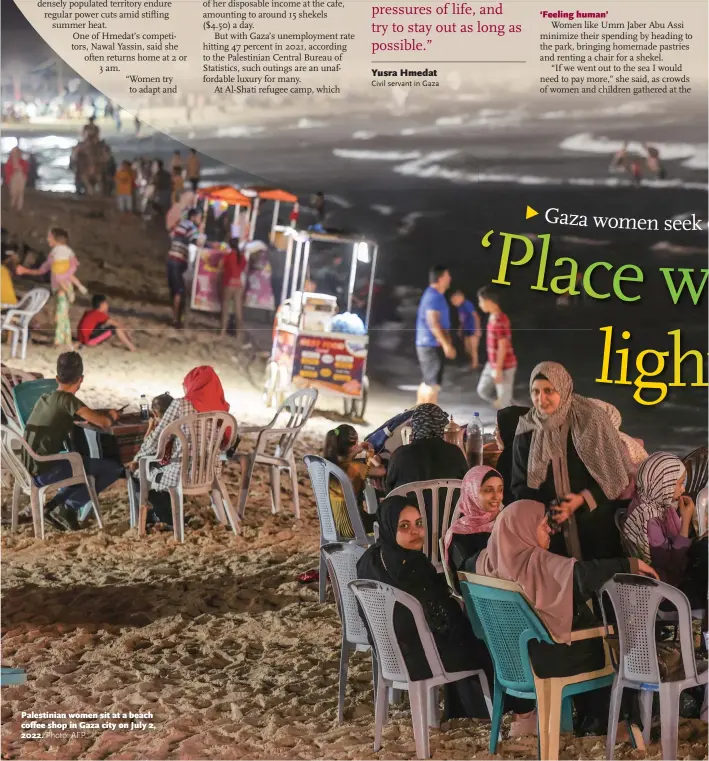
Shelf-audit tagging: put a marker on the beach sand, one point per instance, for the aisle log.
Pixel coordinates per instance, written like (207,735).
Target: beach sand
(216,638)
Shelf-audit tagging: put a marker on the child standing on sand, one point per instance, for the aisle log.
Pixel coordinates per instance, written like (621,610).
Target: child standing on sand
(62,263)
(498,376)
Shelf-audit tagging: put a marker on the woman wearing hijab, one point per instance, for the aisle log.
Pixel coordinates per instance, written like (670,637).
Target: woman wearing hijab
(659,523)
(397,559)
(479,505)
(507,420)
(203,393)
(566,450)
(558,587)
(428,456)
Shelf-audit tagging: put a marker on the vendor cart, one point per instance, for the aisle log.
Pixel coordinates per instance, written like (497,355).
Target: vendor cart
(306,351)
(258,193)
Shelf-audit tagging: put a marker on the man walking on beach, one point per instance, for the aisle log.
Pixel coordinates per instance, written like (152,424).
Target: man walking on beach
(498,376)
(433,340)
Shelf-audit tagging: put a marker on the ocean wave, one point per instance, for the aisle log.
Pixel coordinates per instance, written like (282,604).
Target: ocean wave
(240,131)
(626,109)
(585,142)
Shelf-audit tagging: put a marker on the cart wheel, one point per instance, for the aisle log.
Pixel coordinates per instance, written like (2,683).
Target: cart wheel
(270,384)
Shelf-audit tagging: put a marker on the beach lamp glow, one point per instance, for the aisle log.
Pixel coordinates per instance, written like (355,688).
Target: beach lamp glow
(363,253)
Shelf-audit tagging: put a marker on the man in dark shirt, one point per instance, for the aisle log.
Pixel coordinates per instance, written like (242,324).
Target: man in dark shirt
(48,432)
(183,236)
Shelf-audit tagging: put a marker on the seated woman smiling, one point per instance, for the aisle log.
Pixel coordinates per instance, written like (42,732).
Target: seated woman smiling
(397,559)
(480,504)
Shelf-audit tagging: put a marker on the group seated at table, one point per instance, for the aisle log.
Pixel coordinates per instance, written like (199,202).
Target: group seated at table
(564,463)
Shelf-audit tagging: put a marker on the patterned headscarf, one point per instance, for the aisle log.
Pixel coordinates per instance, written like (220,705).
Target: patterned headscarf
(428,422)
(636,450)
(656,481)
(473,519)
(596,440)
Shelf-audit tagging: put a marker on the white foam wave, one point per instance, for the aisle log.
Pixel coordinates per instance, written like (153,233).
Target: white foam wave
(306,123)
(385,211)
(357,155)
(585,142)
(239,131)
(363,135)
(424,166)
(626,109)
(339,201)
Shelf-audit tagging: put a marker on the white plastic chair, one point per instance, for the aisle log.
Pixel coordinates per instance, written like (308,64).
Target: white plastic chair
(341,560)
(12,443)
(17,320)
(202,440)
(447,571)
(274,447)
(636,600)
(378,601)
(320,471)
(442,511)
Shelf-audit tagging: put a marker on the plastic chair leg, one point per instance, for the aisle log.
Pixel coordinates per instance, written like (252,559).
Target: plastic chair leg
(613,714)
(37,514)
(542,688)
(91,485)
(497,703)
(646,698)
(15,338)
(555,688)
(25,335)
(228,508)
(323,578)
(294,488)
(485,686)
(344,663)
(275,489)
(434,713)
(247,471)
(381,711)
(669,718)
(178,515)
(16,493)
(132,500)
(218,506)
(418,699)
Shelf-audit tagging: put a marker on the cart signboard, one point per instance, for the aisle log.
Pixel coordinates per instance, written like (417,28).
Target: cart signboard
(330,363)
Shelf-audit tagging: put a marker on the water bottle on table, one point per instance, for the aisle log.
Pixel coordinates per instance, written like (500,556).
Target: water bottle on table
(144,408)
(474,441)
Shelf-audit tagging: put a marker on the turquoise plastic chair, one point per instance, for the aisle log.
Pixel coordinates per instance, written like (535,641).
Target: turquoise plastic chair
(27,394)
(503,617)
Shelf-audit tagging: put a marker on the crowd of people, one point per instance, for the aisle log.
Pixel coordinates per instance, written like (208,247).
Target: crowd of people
(542,512)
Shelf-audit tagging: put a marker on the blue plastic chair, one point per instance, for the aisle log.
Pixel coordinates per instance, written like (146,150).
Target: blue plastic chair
(27,394)
(503,617)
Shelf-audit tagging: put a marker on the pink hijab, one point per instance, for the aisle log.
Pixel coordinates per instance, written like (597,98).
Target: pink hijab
(473,519)
(513,554)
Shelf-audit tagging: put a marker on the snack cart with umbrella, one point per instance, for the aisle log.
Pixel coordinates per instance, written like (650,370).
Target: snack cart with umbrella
(205,270)
(261,193)
(313,345)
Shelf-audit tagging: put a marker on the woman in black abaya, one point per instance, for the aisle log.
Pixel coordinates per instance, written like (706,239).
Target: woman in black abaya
(397,559)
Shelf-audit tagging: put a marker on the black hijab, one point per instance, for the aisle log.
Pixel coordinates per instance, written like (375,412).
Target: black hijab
(388,562)
(507,419)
